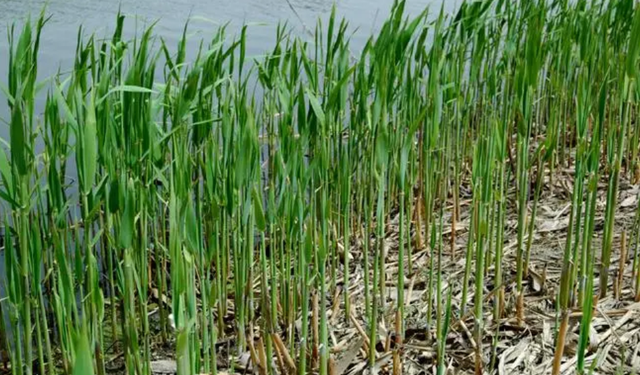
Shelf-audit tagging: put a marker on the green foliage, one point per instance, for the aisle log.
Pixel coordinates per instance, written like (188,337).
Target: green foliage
(234,193)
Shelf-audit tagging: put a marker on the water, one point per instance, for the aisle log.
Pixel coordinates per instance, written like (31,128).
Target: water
(98,16)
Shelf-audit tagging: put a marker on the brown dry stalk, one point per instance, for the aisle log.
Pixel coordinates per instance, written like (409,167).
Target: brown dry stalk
(520,308)
(336,305)
(361,331)
(332,366)
(280,360)
(478,361)
(397,360)
(254,356)
(562,334)
(264,364)
(282,349)
(387,344)
(397,364)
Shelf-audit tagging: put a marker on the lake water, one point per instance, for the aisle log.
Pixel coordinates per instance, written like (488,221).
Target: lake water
(98,16)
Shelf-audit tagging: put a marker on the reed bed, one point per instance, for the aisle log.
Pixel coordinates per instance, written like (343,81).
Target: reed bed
(460,195)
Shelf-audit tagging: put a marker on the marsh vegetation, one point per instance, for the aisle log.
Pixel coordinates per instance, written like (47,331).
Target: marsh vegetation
(460,195)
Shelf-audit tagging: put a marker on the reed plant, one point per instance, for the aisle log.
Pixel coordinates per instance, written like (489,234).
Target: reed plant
(244,199)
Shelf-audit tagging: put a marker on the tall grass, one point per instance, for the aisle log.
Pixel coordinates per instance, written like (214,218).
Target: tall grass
(249,197)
